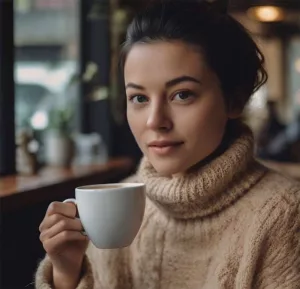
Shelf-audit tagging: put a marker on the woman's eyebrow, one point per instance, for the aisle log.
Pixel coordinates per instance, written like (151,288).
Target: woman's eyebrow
(180,79)
(133,85)
(169,83)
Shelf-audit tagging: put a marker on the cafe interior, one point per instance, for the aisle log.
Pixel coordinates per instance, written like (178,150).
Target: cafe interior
(63,111)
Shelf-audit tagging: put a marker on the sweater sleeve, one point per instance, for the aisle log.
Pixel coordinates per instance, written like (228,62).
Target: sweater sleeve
(44,274)
(278,266)
(105,269)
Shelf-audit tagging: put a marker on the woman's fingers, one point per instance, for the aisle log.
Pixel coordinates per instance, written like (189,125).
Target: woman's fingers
(57,224)
(61,236)
(53,244)
(66,209)
(55,212)
(50,221)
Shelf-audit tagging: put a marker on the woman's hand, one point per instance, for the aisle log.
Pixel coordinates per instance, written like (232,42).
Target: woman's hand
(64,242)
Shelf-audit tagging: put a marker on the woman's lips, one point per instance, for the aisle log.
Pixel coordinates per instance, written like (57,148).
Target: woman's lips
(164,147)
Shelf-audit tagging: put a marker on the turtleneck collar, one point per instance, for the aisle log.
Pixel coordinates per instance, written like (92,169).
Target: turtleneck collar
(207,189)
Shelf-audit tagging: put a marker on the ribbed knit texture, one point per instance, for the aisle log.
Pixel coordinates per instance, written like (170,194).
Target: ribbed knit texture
(208,189)
(228,224)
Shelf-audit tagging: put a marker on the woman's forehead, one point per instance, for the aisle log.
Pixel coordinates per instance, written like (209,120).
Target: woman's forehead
(164,58)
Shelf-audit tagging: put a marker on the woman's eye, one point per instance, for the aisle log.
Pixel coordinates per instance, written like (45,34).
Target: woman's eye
(183,95)
(138,99)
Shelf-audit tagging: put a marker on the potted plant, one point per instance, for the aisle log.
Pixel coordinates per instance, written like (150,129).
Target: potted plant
(59,145)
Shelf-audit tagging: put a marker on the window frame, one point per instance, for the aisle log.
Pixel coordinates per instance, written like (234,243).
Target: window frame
(7,84)
(7,102)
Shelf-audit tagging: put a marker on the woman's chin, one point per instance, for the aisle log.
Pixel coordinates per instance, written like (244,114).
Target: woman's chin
(168,169)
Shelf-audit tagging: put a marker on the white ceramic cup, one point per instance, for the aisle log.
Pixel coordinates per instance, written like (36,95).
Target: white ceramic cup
(111,214)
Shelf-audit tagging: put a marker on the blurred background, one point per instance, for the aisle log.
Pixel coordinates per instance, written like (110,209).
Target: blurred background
(62,106)
(66,79)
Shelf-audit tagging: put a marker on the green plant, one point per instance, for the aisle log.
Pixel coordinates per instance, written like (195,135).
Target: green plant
(60,119)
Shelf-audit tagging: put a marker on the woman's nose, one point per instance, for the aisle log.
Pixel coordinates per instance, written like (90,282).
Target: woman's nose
(159,118)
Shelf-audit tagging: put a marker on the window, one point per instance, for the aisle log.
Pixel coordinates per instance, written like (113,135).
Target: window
(46,36)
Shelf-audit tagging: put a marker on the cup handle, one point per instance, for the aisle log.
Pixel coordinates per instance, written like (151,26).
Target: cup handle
(74,202)
(70,201)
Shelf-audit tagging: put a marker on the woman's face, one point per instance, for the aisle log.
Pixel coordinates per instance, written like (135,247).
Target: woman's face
(175,106)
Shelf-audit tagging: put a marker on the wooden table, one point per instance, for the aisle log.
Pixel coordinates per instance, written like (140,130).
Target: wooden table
(52,182)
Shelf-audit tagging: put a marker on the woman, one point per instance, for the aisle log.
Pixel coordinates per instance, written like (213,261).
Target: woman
(214,217)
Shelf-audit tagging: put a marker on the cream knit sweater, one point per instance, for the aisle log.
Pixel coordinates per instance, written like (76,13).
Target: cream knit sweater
(229,224)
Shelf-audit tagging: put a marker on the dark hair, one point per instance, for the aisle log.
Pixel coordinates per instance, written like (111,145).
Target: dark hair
(228,48)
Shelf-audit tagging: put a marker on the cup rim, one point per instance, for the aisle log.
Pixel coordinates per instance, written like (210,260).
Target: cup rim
(113,186)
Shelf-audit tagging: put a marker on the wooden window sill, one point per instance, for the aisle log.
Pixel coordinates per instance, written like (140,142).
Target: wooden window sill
(53,183)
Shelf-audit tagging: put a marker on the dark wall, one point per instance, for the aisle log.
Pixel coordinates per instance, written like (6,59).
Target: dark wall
(97,116)
(7,124)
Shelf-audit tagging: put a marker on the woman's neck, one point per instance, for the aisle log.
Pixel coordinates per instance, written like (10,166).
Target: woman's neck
(233,130)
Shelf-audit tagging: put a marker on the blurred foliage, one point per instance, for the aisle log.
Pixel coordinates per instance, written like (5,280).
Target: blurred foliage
(60,119)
